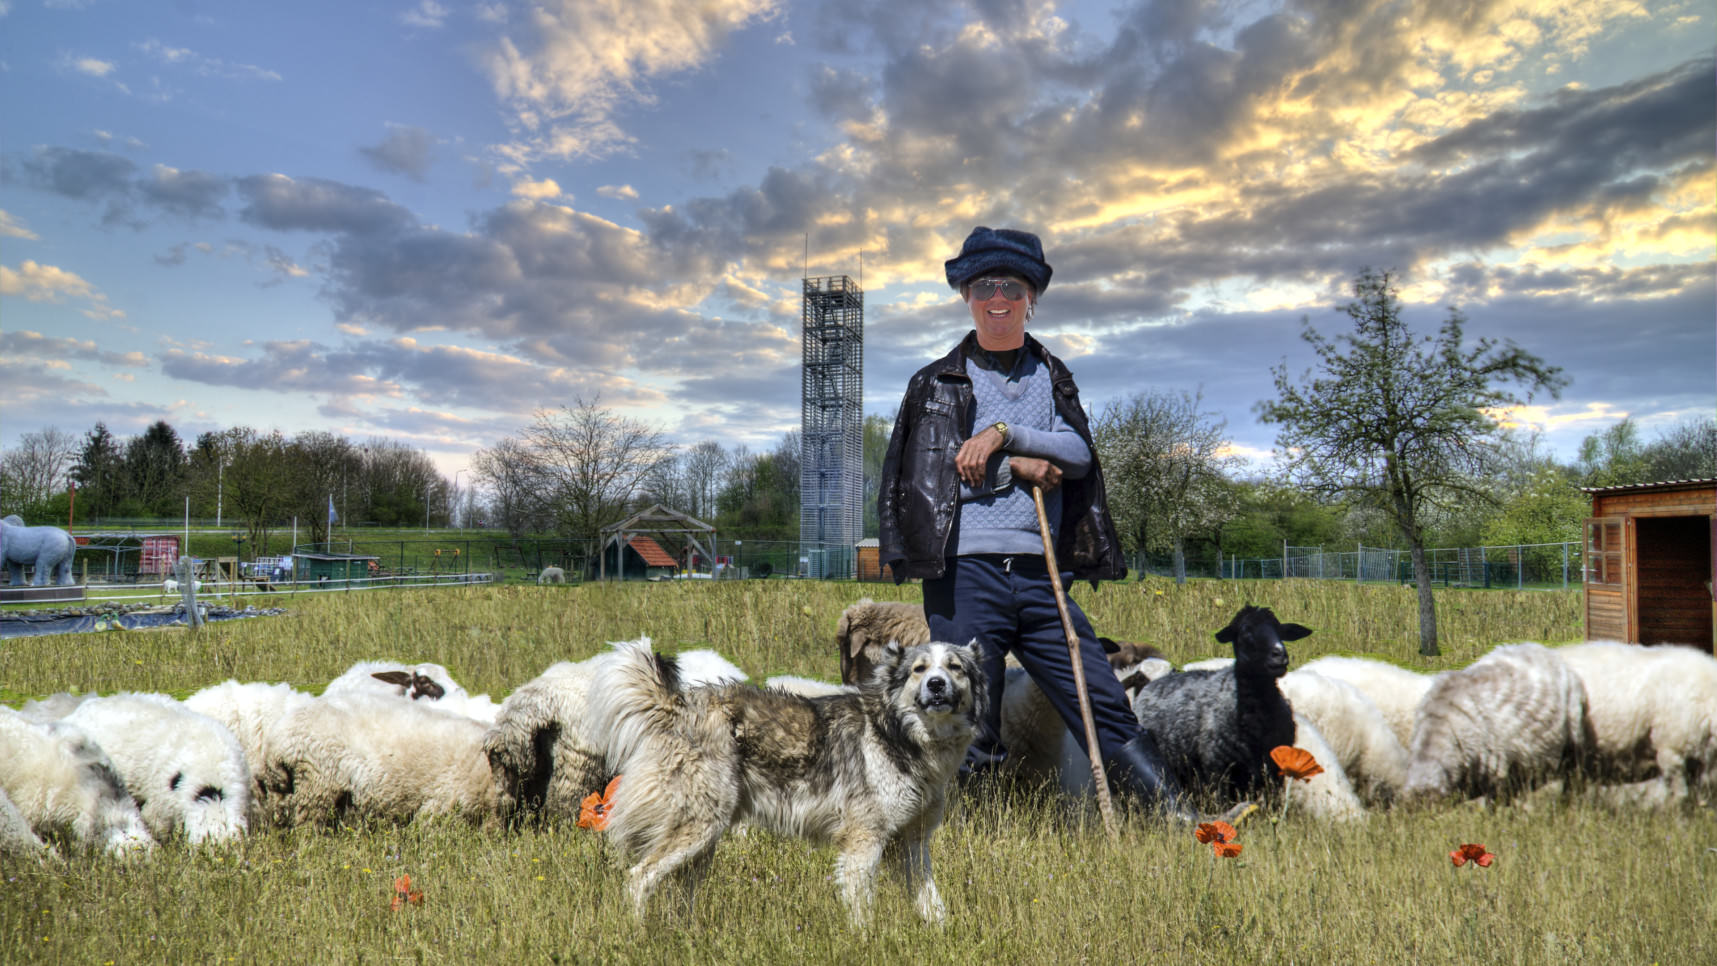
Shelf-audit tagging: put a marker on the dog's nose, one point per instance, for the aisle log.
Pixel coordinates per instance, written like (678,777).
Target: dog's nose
(936,685)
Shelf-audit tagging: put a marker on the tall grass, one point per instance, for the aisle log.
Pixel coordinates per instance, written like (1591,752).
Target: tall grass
(1026,879)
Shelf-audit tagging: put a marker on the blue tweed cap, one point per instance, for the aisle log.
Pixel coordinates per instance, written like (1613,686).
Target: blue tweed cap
(1000,249)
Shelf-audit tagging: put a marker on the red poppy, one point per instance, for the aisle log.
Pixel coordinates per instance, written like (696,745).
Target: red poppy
(1295,762)
(1471,852)
(593,811)
(1226,850)
(404,893)
(1215,832)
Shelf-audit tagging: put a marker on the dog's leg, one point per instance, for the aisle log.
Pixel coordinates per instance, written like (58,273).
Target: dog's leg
(682,844)
(861,853)
(915,868)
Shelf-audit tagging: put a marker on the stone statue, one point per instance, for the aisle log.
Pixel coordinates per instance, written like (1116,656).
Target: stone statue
(48,549)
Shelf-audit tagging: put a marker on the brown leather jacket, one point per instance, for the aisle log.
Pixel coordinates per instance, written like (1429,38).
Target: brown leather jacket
(919,493)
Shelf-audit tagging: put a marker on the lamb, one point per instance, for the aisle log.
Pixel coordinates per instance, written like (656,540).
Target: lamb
(866,627)
(539,748)
(185,770)
(62,785)
(1359,737)
(354,757)
(1216,728)
(1396,691)
(417,682)
(551,575)
(252,712)
(1505,723)
(1651,708)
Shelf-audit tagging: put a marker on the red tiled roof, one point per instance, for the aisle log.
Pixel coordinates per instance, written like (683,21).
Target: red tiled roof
(652,552)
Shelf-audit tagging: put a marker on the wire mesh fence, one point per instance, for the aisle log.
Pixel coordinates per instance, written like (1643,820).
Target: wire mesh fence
(1541,566)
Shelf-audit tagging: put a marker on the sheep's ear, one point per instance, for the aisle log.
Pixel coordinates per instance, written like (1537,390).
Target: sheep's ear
(401,678)
(1227,635)
(1134,681)
(1109,645)
(1293,632)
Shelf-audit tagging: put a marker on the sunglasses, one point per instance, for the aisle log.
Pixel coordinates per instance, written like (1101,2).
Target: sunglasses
(1012,289)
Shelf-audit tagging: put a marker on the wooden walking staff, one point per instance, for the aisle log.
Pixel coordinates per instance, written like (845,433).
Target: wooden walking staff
(1104,805)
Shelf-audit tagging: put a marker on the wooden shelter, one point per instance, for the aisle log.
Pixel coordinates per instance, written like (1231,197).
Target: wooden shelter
(868,555)
(1651,558)
(632,539)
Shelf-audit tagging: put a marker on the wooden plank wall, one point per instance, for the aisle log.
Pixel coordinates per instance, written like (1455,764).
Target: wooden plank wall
(1606,619)
(1674,562)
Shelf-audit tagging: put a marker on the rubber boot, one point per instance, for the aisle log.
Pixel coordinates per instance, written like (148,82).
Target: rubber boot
(1138,775)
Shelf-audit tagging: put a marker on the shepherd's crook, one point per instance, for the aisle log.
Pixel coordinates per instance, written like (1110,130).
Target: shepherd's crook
(1104,805)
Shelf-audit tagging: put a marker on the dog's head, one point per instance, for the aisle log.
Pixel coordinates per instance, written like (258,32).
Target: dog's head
(933,681)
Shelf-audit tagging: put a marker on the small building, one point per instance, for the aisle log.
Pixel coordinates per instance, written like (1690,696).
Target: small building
(629,553)
(639,558)
(868,556)
(1651,558)
(316,566)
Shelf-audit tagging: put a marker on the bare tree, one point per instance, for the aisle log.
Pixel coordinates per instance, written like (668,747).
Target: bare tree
(594,460)
(520,497)
(1396,421)
(37,468)
(1166,463)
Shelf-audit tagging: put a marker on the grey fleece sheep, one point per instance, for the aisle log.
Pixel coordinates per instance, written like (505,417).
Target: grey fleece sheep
(1216,728)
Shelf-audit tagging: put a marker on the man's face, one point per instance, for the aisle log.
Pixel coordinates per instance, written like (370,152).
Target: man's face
(1000,321)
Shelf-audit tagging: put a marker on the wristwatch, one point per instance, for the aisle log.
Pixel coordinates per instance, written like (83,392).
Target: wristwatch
(1001,427)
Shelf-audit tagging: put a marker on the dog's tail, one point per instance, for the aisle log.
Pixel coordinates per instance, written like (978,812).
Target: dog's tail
(671,754)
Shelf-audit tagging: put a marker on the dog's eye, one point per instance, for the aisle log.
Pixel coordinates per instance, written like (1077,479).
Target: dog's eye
(920,668)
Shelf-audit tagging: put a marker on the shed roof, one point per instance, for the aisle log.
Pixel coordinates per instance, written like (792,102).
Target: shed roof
(1643,487)
(651,551)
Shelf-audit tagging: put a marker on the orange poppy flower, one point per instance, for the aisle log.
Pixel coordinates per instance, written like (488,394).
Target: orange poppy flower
(1471,852)
(1226,850)
(404,893)
(1295,762)
(1217,832)
(593,811)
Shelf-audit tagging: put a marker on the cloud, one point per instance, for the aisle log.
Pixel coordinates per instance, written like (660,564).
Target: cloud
(113,180)
(205,66)
(90,66)
(13,228)
(405,150)
(316,204)
(622,192)
(48,283)
(26,343)
(543,190)
(427,14)
(567,69)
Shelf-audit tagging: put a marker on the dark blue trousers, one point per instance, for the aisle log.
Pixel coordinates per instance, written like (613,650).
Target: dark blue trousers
(1008,604)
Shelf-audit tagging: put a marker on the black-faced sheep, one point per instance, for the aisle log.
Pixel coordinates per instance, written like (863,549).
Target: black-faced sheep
(63,786)
(1216,728)
(866,627)
(1509,721)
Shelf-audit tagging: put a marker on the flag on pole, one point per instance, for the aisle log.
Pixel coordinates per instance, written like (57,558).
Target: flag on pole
(332,516)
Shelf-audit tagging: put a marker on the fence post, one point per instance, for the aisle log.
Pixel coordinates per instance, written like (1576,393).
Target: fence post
(1519,568)
(1564,566)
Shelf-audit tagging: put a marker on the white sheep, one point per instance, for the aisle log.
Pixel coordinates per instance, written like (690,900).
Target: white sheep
(362,757)
(552,575)
(16,836)
(1364,745)
(416,682)
(252,711)
(63,785)
(1396,691)
(185,770)
(1509,721)
(1653,712)
(1328,795)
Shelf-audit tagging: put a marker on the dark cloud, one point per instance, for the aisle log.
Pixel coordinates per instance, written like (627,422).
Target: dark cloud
(316,204)
(99,176)
(405,150)
(25,343)
(192,194)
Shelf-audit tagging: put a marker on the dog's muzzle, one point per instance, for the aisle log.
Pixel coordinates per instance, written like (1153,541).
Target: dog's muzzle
(936,692)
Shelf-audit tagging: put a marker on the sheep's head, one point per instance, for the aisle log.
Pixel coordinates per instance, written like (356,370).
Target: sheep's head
(1258,639)
(414,685)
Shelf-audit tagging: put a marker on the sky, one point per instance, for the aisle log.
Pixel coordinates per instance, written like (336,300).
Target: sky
(426,221)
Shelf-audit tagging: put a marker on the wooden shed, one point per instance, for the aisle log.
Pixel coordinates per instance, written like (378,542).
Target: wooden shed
(1651,557)
(868,555)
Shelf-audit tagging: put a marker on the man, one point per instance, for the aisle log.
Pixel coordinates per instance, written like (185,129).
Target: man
(977,429)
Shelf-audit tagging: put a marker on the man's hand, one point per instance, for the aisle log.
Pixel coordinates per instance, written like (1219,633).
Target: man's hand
(975,453)
(1037,472)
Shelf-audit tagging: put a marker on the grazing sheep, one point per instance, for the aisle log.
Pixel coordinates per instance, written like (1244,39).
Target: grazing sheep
(371,757)
(252,712)
(1509,721)
(417,682)
(63,786)
(1654,715)
(1362,742)
(866,627)
(1328,795)
(1216,728)
(551,575)
(1396,691)
(539,748)
(185,770)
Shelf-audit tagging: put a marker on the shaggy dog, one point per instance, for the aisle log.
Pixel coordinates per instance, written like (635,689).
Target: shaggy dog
(865,770)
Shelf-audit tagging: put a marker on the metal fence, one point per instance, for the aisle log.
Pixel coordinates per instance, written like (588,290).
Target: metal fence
(1539,566)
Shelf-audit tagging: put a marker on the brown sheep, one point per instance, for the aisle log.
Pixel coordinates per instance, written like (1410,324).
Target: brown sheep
(866,628)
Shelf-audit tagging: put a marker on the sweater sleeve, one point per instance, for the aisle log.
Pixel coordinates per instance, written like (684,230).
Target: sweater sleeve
(1061,444)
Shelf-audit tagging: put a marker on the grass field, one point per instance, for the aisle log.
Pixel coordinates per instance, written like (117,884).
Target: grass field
(1026,879)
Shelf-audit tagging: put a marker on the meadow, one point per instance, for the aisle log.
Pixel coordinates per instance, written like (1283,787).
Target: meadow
(1027,878)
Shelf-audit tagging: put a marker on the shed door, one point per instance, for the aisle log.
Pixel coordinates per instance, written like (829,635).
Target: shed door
(1607,591)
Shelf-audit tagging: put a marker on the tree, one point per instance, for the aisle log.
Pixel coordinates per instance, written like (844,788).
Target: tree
(877,430)
(1685,452)
(593,461)
(257,467)
(98,472)
(35,474)
(1613,457)
(1397,421)
(154,469)
(1165,463)
(761,499)
(506,470)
